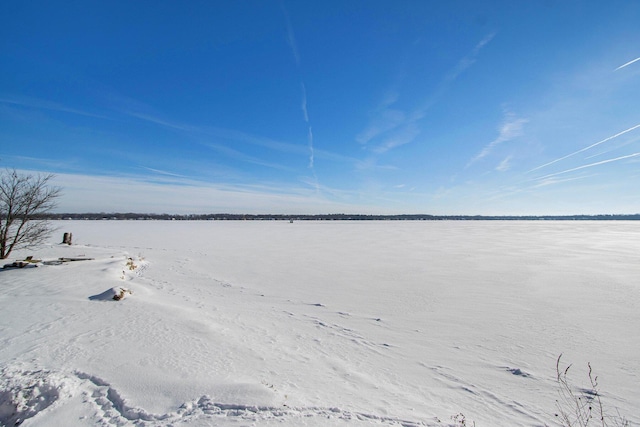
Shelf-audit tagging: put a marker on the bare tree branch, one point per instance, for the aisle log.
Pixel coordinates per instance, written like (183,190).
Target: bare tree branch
(23,201)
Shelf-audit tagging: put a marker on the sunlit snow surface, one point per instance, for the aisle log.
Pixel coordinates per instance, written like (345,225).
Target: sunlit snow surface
(320,323)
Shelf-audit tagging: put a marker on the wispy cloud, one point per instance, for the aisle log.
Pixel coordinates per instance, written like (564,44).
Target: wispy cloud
(235,154)
(469,59)
(511,128)
(627,64)
(371,163)
(305,114)
(165,173)
(388,118)
(385,121)
(166,123)
(402,136)
(55,164)
(203,134)
(48,105)
(449,79)
(311,150)
(219,133)
(545,182)
(246,138)
(179,195)
(586,148)
(504,165)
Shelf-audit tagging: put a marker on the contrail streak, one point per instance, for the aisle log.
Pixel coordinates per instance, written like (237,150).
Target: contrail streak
(310,148)
(305,113)
(303,105)
(628,63)
(585,149)
(291,39)
(591,165)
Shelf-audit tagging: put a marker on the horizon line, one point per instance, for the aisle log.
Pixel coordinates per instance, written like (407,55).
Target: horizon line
(284,216)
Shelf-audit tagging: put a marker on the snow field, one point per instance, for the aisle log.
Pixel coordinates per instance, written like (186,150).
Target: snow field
(320,323)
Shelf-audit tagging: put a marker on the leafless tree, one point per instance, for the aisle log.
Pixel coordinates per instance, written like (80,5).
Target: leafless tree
(23,201)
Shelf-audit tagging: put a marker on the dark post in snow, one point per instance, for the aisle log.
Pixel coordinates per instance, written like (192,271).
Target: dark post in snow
(66,238)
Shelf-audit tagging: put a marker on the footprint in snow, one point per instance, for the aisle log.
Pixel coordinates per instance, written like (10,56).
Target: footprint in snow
(518,372)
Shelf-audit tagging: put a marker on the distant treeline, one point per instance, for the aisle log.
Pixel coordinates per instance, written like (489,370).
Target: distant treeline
(334,217)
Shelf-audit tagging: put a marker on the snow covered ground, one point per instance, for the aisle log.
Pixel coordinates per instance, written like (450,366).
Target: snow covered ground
(320,323)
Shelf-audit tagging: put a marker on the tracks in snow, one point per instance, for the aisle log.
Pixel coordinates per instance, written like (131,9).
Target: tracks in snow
(26,391)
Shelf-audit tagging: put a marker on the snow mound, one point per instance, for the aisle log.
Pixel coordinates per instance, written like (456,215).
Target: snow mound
(114,294)
(26,392)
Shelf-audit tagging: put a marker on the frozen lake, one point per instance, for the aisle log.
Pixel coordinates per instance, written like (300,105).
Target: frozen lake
(322,323)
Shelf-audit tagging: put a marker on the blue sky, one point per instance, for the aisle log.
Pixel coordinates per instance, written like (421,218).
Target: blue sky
(354,106)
